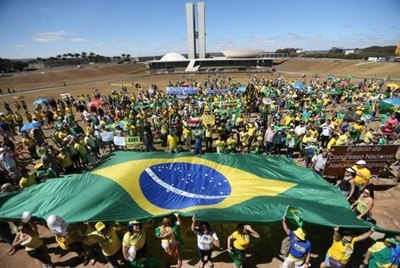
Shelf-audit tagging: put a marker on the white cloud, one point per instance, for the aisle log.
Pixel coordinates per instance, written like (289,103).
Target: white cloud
(78,40)
(50,37)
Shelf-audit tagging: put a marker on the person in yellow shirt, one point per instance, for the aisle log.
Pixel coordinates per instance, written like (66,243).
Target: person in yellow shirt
(332,141)
(65,160)
(170,238)
(34,246)
(30,144)
(342,139)
(27,179)
(231,144)
(220,144)
(287,120)
(172,142)
(208,137)
(109,242)
(363,175)
(241,238)
(187,137)
(342,248)
(307,138)
(369,137)
(134,242)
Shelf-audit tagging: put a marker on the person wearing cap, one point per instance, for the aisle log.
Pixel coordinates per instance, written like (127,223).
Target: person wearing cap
(109,242)
(362,177)
(342,248)
(134,242)
(346,185)
(68,237)
(206,240)
(300,248)
(382,254)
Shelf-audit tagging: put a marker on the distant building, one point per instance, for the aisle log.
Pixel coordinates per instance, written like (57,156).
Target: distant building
(193,35)
(351,51)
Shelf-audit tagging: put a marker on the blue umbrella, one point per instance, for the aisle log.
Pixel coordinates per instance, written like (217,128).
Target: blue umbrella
(40,101)
(30,125)
(241,89)
(299,85)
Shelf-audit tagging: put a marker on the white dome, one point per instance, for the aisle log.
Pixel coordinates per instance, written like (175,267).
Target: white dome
(242,53)
(173,56)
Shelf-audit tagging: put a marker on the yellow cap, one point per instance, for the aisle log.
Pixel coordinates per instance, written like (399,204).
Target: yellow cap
(300,234)
(100,226)
(38,166)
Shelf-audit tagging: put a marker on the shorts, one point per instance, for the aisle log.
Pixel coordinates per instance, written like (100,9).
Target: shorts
(332,263)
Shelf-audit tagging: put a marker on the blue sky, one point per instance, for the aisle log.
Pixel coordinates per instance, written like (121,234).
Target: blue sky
(43,28)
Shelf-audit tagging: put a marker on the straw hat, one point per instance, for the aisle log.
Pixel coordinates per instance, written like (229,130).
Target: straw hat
(300,234)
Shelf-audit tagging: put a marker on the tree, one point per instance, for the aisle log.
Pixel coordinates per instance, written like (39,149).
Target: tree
(77,55)
(290,51)
(83,54)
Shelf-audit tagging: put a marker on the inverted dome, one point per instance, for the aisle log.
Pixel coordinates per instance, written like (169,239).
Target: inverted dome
(173,56)
(242,53)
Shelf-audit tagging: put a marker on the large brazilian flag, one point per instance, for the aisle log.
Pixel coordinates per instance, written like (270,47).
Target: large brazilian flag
(217,188)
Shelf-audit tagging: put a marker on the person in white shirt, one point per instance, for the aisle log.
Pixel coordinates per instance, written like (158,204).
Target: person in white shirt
(300,130)
(269,139)
(319,161)
(206,240)
(326,133)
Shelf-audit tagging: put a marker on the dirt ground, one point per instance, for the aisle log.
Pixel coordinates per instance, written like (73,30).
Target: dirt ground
(50,83)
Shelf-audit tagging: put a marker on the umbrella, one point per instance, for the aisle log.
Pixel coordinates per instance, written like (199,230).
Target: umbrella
(393,85)
(30,125)
(241,89)
(343,83)
(95,103)
(40,101)
(390,104)
(299,85)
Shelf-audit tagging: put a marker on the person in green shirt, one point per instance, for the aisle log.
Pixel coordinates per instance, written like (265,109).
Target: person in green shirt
(43,173)
(380,254)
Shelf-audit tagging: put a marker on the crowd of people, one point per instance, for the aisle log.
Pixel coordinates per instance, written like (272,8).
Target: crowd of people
(300,120)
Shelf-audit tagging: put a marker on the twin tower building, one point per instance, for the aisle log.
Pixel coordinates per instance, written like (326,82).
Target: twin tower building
(196,38)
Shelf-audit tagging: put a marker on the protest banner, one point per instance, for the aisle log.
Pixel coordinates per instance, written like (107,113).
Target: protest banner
(107,136)
(216,91)
(182,90)
(208,119)
(133,142)
(377,157)
(119,141)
